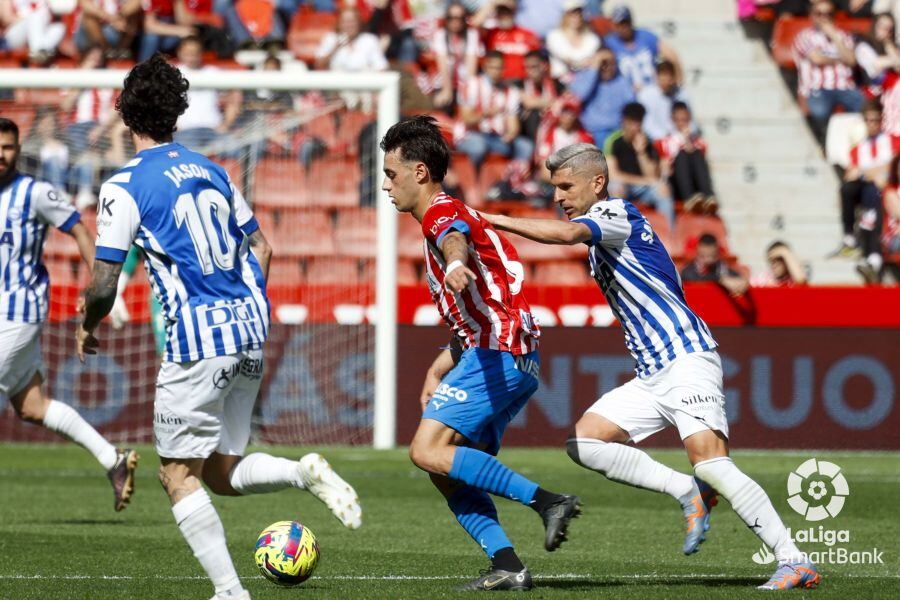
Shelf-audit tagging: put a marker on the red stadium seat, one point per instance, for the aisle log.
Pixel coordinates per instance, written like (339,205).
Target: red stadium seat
(464,172)
(356,233)
(21,115)
(406,272)
(689,227)
(660,225)
(278,182)
(303,233)
(61,245)
(332,270)
(306,33)
(602,25)
(333,182)
(531,251)
(492,170)
(568,272)
(67,272)
(285,271)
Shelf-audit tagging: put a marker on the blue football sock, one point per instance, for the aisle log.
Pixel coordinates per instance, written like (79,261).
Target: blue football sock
(478,516)
(484,472)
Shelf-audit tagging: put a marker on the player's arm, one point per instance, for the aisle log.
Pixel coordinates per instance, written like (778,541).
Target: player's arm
(262,250)
(118,220)
(455,249)
(445,361)
(84,242)
(546,231)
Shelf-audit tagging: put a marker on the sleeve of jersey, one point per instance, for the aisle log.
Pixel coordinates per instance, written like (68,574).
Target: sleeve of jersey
(243,214)
(118,219)
(440,220)
(52,209)
(609,226)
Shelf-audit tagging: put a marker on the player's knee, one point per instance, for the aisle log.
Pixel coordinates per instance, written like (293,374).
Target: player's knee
(219,484)
(30,411)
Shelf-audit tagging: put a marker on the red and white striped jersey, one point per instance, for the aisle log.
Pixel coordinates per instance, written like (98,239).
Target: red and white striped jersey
(492,311)
(874,152)
(483,95)
(826,77)
(94,105)
(669,146)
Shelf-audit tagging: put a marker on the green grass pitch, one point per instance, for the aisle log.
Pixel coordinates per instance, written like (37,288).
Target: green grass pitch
(59,537)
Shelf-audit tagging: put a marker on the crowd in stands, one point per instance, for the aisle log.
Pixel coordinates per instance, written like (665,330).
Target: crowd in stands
(511,82)
(846,61)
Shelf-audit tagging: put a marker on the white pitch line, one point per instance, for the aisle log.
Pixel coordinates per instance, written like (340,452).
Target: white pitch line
(548,577)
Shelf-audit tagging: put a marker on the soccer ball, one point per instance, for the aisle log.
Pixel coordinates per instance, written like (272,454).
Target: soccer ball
(287,553)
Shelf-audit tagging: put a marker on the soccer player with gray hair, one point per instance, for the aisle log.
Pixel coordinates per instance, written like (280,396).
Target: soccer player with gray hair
(679,372)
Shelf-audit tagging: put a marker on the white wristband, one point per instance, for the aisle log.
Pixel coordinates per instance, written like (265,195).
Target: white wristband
(452,266)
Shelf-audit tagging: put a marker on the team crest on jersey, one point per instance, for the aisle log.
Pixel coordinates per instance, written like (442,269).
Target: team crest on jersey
(173,154)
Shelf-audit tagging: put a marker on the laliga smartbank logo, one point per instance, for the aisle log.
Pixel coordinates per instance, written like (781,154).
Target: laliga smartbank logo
(817,489)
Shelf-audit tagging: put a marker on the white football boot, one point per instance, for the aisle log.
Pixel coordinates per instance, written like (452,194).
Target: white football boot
(326,485)
(244,595)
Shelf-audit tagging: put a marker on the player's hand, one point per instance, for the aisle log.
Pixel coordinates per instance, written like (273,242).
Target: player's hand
(458,279)
(87,343)
(119,314)
(80,304)
(432,381)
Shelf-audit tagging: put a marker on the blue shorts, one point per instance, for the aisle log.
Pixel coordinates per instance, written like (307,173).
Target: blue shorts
(483,393)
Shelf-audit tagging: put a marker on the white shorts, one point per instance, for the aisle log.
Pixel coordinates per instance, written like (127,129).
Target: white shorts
(687,393)
(205,406)
(20,355)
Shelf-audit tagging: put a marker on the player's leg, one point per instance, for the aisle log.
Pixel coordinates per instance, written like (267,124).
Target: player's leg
(600,443)
(200,524)
(708,452)
(228,472)
(186,426)
(21,379)
(475,512)
(483,385)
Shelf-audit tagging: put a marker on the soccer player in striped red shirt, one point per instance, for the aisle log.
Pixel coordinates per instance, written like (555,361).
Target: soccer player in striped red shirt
(475,280)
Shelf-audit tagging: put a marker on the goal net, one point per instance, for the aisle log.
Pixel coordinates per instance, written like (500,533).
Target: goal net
(303,149)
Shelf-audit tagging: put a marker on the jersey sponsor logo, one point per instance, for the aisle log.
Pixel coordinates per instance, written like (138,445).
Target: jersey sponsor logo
(605,213)
(225,314)
(180,172)
(252,368)
(698,399)
(223,377)
(106,206)
(441,220)
(172,154)
(528,366)
(164,419)
(6,238)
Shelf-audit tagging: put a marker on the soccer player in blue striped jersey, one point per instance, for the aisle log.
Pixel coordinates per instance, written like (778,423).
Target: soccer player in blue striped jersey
(208,263)
(679,373)
(27,209)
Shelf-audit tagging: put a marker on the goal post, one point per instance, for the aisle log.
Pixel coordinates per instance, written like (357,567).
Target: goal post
(383,87)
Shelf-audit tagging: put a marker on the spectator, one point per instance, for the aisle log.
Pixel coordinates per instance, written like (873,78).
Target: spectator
(684,151)
(603,94)
(31,25)
(709,266)
(539,90)
(93,117)
(204,122)
(890,240)
(489,116)
(457,48)
(254,24)
(572,44)
(868,173)
(560,128)
(878,53)
(164,27)
(637,50)
(520,184)
(393,22)
(44,142)
(539,16)
(825,60)
(634,169)
(658,99)
(504,36)
(108,25)
(350,48)
(785,269)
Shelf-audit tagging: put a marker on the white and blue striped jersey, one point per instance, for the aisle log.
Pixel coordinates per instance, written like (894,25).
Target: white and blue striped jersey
(27,209)
(183,212)
(642,287)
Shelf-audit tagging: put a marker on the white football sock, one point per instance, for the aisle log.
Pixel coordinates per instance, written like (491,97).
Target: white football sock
(627,464)
(201,527)
(260,473)
(751,504)
(64,420)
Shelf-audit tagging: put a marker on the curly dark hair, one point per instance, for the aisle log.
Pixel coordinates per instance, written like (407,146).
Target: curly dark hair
(154,96)
(419,139)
